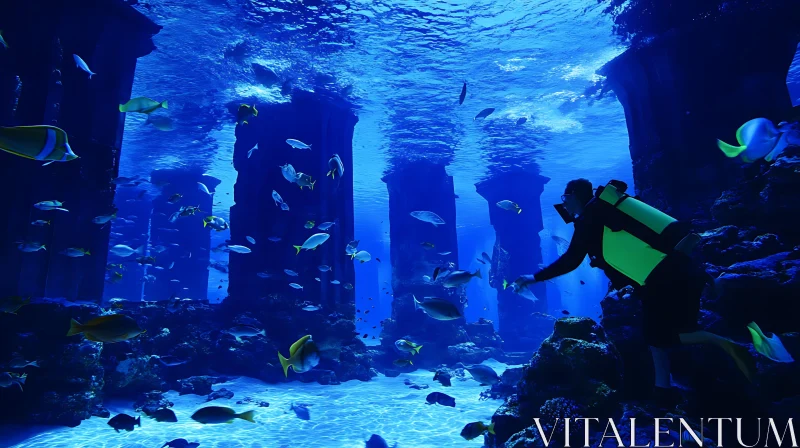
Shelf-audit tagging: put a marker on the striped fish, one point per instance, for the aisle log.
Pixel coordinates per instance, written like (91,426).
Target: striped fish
(47,143)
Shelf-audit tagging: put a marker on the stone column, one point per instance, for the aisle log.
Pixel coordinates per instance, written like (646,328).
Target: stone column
(691,86)
(109,37)
(517,251)
(422,186)
(327,124)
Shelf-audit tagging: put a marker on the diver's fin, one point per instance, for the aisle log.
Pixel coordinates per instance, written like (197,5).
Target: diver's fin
(730,150)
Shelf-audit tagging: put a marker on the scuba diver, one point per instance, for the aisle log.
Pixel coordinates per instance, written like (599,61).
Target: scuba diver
(638,245)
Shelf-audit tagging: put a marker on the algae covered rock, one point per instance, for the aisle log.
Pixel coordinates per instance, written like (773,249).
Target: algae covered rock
(576,372)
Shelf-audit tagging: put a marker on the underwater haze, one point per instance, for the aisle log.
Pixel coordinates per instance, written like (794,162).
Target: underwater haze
(350,223)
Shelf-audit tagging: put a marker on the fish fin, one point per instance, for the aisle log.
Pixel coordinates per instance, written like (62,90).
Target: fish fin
(204,224)
(284,364)
(779,147)
(478,273)
(20,386)
(247,416)
(298,249)
(312,185)
(416,303)
(417,348)
(519,210)
(491,428)
(244,122)
(74,328)
(48,163)
(730,150)
(164,105)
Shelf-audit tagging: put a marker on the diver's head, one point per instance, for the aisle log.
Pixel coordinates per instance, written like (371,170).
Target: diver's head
(577,194)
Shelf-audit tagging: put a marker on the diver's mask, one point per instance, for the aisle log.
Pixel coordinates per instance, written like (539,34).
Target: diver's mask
(562,210)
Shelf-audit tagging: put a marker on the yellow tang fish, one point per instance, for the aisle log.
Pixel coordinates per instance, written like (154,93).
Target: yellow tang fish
(47,143)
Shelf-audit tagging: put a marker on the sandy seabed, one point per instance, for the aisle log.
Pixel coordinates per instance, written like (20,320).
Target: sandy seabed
(343,416)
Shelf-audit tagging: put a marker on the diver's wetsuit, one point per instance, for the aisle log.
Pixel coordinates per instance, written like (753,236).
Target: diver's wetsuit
(671,294)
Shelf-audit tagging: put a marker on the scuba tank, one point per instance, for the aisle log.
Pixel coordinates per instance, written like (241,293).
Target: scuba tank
(636,236)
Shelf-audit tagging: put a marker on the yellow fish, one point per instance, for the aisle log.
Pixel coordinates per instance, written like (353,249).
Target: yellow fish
(110,328)
(303,356)
(13,304)
(47,143)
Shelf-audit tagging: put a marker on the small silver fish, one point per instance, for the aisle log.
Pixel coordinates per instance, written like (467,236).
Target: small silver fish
(82,65)
(295,286)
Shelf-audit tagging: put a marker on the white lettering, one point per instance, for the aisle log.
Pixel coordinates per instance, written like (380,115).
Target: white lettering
(616,434)
(633,435)
(698,439)
(566,433)
(739,433)
(541,431)
(586,430)
(719,428)
(789,426)
(659,432)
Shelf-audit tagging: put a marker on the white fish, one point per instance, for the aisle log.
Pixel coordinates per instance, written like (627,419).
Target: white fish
(284,206)
(426,278)
(324,268)
(362,256)
(295,286)
(264,274)
(511,206)
(336,166)
(250,239)
(252,150)
(325,225)
(430,217)
(122,250)
(75,252)
(277,198)
(313,242)
(50,205)
(310,308)
(317,279)
(759,138)
(297,144)
(171,265)
(82,65)
(289,173)
(239,249)
(202,187)
(445,253)
(274,239)
(290,272)
(352,247)
(335,282)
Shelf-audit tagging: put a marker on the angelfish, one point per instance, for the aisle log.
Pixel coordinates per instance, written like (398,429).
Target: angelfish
(760,138)
(82,65)
(46,143)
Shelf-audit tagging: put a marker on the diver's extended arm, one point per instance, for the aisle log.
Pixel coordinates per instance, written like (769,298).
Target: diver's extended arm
(572,258)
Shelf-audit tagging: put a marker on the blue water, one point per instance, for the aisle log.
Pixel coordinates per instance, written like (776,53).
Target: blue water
(402,64)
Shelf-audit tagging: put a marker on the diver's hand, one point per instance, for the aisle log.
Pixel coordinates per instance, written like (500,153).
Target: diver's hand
(523,282)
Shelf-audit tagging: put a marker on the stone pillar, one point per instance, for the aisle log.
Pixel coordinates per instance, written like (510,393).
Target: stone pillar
(422,186)
(517,251)
(689,87)
(109,36)
(191,255)
(327,124)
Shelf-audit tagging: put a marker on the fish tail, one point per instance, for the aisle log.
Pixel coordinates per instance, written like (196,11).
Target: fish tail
(298,249)
(247,416)
(312,185)
(730,150)
(478,273)
(417,348)
(491,428)
(123,108)
(87,253)
(416,303)
(519,210)
(284,364)
(75,327)
(164,104)
(204,224)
